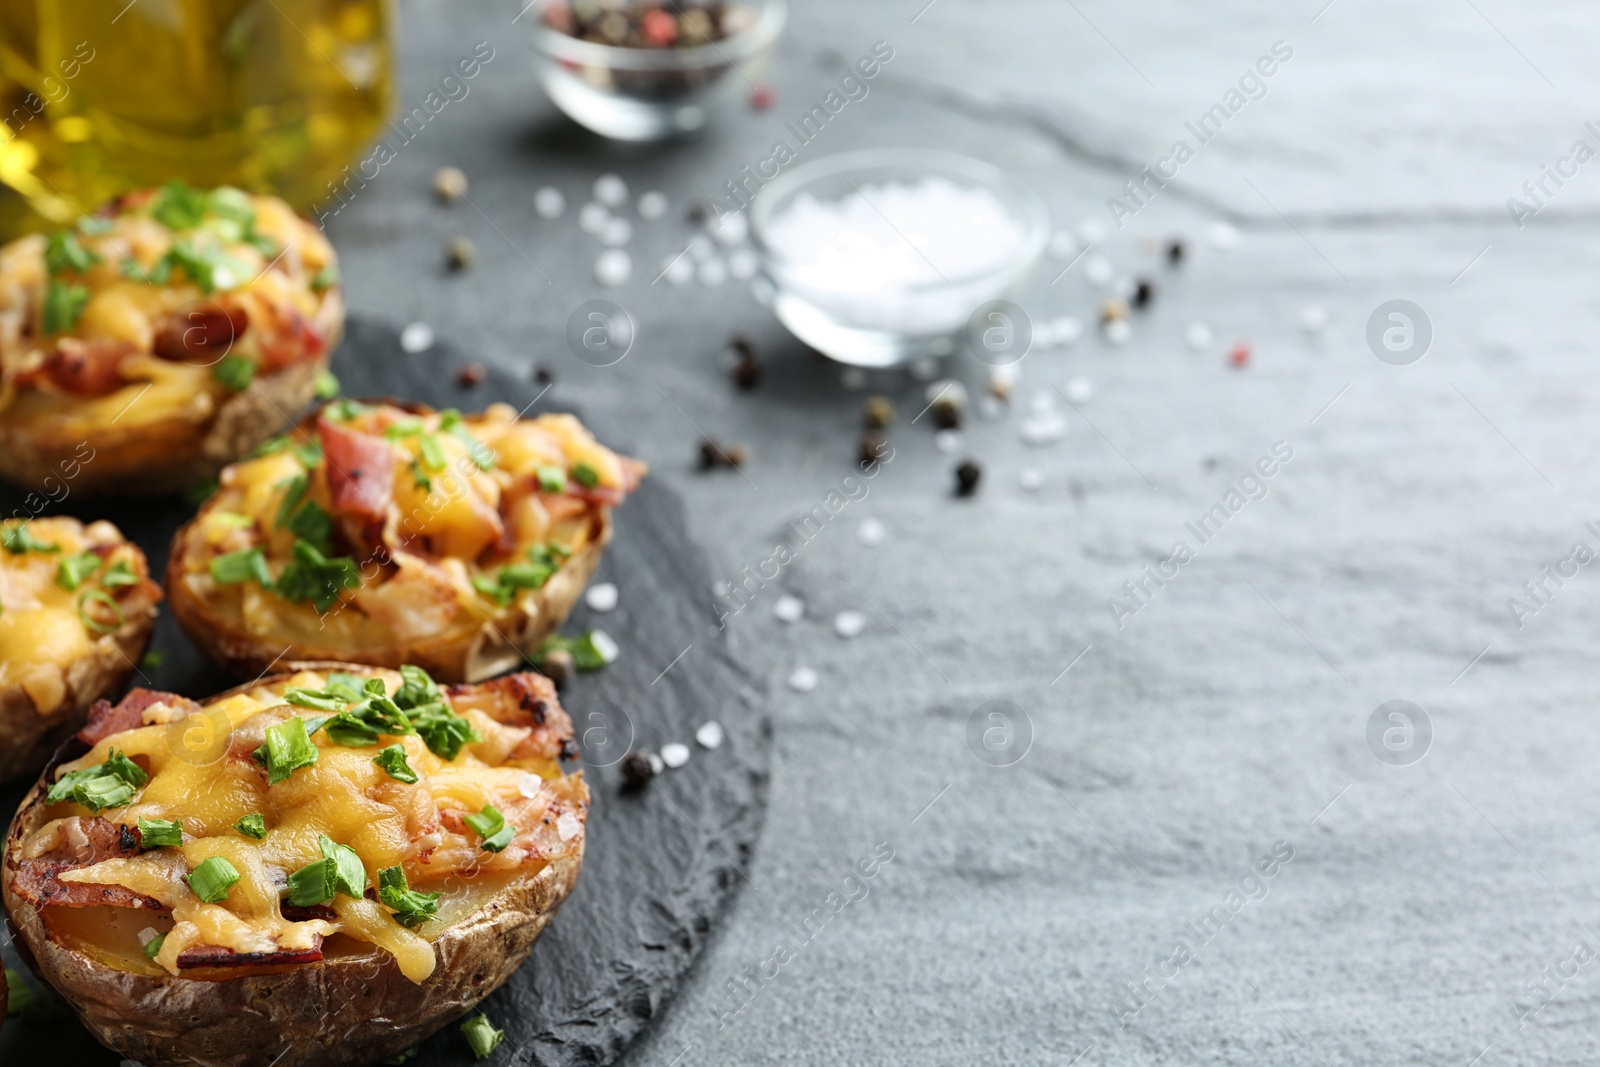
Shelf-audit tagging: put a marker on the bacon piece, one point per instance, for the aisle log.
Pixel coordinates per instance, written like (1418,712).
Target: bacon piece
(83,367)
(83,842)
(106,718)
(217,956)
(522,699)
(201,336)
(290,338)
(360,471)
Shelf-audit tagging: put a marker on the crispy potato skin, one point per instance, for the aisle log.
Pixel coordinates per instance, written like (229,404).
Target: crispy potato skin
(345,1010)
(179,451)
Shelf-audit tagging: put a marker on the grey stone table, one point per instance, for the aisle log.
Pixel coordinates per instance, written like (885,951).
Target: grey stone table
(1103,898)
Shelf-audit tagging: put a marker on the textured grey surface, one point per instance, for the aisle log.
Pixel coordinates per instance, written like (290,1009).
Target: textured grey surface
(1229,713)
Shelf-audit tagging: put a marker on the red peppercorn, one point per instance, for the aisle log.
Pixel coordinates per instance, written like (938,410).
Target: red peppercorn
(762,97)
(659,28)
(1239,354)
(472,374)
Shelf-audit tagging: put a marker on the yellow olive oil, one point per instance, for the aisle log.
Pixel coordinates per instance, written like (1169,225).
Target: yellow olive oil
(102,96)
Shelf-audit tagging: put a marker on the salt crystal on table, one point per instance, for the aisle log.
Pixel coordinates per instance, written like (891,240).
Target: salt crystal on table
(601,597)
(730,229)
(1030,479)
(871,532)
(679,270)
(1092,231)
(616,232)
(948,441)
(611,190)
(1314,318)
(1099,272)
(713,272)
(549,202)
(849,623)
(742,264)
(1080,390)
(803,680)
(1125,286)
(416,337)
(1066,330)
(1042,402)
(700,247)
(1198,335)
(1063,245)
(789,608)
(674,754)
(710,734)
(613,267)
(991,407)
(604,646)
(656,766)
(652,205)
(1222,235)
(1119,331)
(1043,429)
(592,217)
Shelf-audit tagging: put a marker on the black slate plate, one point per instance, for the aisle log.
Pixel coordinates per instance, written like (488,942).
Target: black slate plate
(661,864)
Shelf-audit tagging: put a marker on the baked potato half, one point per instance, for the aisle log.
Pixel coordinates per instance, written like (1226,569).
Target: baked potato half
(76,609)
(382,534)
(321,867)
(160,338)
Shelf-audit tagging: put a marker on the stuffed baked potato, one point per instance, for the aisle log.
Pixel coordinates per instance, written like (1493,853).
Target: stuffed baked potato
(322,867)
(76,609)
(160,338)
(385,535)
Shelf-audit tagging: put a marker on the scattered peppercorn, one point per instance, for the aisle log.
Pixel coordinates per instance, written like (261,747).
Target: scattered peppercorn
(870,449)
(1113,310)
(741,343)
(878,413)
(697,213)
(557,666)
(1239,354)
(471,374)
(747,372)
(449,184)
(542,375)
(1143,292)
(460,253)
(713,455)
(947,413)
(762,97)
(636,768)
(967,477)
(1175,251)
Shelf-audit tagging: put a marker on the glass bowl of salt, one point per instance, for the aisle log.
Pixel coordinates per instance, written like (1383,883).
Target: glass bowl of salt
(882,256)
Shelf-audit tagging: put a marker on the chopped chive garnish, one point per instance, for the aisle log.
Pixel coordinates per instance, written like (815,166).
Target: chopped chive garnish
(19,539)
(72,570)
(245,565)
(105,600)
(286,749)
(490,825)
(160,833)
(252,825)
(411,908)
(393,762)
(212,879)
(235,372)
(482,1035)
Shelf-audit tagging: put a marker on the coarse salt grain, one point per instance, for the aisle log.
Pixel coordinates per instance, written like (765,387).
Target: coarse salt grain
(1198,335)
(1030,479)
(730,230)
(652,205)
(1044,429)
(601,597)
(871,532)
(1092,231)
(611,190)
(1042,402)
(679,270)
(700,247)
(530,785)
(1313,318)
(712,273)
(925,369)
(853,378)
(674,754)
(1119,331)
(568,826)
(1222,235)
(948,441)
(613,267)
(849,623)
(416,337)
(1063,245)
(549,202)
(1099,271)
(604,646)
(1080,390)
(742,264)
(592,217)
(616,232)
(1066,330)
(803,680)
(789,608)
(990,406)
(710,734)
(656,766)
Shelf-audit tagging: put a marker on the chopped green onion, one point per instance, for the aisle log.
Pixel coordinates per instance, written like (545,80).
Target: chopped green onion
(411,908)
(586,654)
(159,833)
(326,386)
(433,456)
(152,659)
(490,825)
(326,277)
(417,688)
(286,749)
(212,879)
(442,730)
(314,525)
(393,762)
(72,570)
(108,785)
(63,252)
(320,699)
(94,225)
(552,479)
(252,825)
(100,596)
(315,577)
(338,871)
(200,492)
(586,475)
(178,207)
(245,565)
(293,493)
(232,519)
(152,948)
(118,575)
(19,539)
(482,1035)
(235,372)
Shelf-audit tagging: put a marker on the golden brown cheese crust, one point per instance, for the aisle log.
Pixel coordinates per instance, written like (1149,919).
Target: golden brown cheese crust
(62,649)
(433,511)
(160,338)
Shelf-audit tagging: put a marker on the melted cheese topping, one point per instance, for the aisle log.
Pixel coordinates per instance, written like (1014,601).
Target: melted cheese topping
(42,631)
(443,529)
(343,795)
(273,294)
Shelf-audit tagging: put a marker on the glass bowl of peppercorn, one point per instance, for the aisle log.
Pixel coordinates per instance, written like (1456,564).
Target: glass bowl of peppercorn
(636,70)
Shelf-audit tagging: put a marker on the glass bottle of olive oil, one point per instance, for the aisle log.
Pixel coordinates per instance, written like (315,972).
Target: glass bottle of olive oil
(102,96)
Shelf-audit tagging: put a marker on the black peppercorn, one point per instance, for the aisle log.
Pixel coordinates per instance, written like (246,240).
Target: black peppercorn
(741,343)
(542,375)
(947,413)
(460,253)
(713,455)
(636,768)
(747,372)
(878,413)
(1142,293)
(1175,251)
(967,476)
(871,449)
(697,213)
